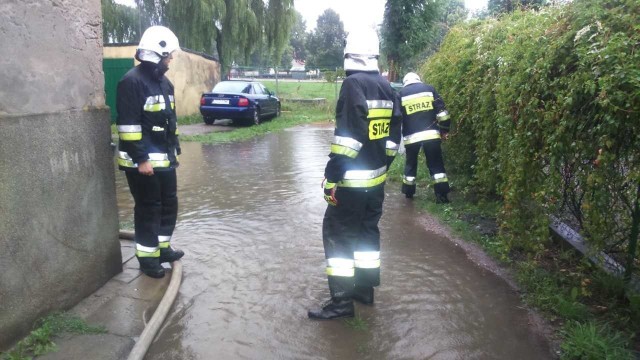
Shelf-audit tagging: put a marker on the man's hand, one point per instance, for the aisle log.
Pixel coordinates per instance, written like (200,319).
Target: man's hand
(330,192)
(145,168)
(445,136)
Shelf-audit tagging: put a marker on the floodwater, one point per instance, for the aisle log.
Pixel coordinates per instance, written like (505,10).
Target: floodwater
(250,223)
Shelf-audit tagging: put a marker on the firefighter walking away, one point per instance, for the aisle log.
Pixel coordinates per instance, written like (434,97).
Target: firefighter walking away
(366,139)
(425,120)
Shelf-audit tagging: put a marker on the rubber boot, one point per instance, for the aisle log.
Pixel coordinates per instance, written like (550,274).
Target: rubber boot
(150,266)
(333,309)
(441,198)
(408,190)
(363,295)
(170,255)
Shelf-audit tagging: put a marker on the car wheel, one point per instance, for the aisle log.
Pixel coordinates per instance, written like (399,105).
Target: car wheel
(209,120)
(256,116)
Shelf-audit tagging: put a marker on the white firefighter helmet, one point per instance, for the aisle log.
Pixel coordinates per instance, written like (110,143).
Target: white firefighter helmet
(159,40)
(361,50)
(410,78)
(362,42)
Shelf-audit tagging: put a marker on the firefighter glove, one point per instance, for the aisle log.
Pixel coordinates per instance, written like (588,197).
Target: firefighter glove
(330,193)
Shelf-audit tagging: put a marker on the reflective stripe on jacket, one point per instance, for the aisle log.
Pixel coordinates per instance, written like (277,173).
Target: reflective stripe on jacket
(368,122)
(146,123)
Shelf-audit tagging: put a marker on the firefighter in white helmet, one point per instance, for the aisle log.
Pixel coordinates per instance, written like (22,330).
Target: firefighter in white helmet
(366,140)
(425,121)
(148,148)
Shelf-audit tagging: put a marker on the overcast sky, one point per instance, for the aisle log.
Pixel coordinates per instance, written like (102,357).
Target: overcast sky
(353,13)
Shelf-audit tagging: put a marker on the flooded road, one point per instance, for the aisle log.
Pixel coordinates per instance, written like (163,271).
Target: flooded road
(250,223)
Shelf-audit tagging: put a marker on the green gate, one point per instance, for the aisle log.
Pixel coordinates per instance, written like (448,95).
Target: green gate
(114,69)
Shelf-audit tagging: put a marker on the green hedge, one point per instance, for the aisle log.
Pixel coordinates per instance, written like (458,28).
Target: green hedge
(546,114)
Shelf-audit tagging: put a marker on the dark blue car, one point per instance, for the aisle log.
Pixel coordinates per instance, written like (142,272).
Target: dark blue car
(248,102)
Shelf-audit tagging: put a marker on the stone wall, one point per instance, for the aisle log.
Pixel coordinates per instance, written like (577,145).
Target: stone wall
(191,74)
(58,215)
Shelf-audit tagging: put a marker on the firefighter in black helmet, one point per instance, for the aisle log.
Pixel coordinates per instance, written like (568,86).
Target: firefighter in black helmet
(148,148)
(367,136)
(425,121)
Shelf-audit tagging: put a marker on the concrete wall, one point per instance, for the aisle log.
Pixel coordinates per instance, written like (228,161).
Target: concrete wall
(58,215)
(190,73)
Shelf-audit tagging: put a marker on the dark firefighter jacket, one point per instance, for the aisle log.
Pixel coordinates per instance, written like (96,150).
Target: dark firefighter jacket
(147,123)
(424,113)
(367,133)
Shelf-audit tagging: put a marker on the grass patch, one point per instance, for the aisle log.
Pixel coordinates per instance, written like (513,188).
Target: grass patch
(357,323)
(40,340)
(292,115)
(594,341)
(127,225)
(304,89)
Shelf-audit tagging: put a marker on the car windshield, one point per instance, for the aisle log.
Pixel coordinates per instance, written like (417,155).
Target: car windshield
(230,87)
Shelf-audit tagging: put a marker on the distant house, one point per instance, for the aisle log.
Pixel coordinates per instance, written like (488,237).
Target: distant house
(298,70)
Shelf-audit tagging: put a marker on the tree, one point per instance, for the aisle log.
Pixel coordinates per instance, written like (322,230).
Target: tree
(326,43)
(408,28)
(506,6)
(298,40)
(120,23)
(230,29)
(453,12)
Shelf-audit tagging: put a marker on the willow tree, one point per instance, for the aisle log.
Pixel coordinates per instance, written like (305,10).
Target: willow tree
(232,29)
(120,23)
(193,22)
(408,28)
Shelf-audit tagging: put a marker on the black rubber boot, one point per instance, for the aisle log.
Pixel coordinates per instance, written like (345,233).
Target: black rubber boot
(363,294)
(441,198)
(170,255)
(333,309)
(150,266)
(408,190)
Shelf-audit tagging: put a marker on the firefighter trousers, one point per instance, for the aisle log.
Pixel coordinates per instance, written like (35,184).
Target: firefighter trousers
(155,211)
(351,240)
(435,163)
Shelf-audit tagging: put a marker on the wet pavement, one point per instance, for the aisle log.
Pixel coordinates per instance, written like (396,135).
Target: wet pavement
(250,222)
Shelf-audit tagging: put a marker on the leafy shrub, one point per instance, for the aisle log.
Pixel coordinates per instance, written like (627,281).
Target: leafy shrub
(546,112)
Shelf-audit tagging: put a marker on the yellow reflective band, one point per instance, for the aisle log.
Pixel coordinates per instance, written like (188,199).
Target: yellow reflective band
(154,107)
(126,163)
(442,116)
(368,264)
(160,163)
(358,183)
(329,185)
(379,113)
(177,132)
(392,152)
(421,136)
(418,104)
(148,254)
(147,251)
(173,105)
(379,129)
(344,272)
(127,136)
(409,180)
(163,245)
(343,150)
(440,178)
